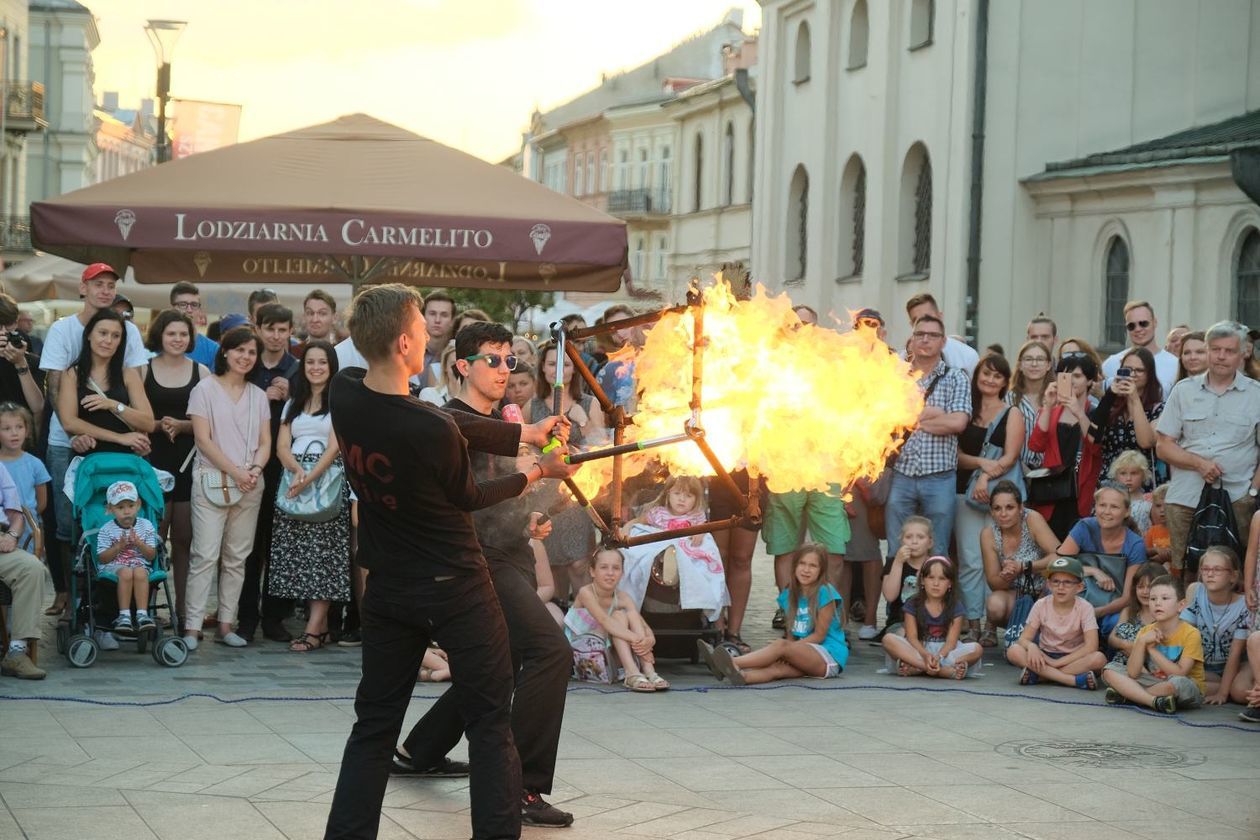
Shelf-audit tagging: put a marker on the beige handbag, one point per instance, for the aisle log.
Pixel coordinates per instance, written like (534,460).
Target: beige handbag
(220,488)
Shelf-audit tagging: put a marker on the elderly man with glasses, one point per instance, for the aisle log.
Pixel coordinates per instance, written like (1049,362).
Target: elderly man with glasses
(1141,324)
(924,474)
(1210,432)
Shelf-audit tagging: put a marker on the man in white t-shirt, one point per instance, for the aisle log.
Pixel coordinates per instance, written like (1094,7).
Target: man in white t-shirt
(1142,326)
(62,347)
(957,354)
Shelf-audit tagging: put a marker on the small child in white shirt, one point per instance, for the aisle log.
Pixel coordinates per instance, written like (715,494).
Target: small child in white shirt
(124,549)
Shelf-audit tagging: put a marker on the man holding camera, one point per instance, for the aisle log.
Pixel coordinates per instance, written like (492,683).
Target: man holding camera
(21,380)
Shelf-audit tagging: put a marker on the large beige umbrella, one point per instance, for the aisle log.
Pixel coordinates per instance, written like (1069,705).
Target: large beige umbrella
(352,200)
(47,277)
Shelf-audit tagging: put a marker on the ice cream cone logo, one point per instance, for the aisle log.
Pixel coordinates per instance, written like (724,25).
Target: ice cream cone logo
(124,219)
(547,271)
(201,259)
(540,233)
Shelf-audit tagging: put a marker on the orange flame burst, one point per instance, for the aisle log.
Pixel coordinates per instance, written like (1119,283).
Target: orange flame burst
(804,407)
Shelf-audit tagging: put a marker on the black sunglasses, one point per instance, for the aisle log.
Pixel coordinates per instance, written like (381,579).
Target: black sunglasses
(1133,325)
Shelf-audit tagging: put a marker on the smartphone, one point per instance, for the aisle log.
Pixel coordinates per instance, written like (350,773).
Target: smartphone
(1124,373)
(1063,382)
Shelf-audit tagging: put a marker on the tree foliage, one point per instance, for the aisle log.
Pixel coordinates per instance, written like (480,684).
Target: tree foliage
(506,307)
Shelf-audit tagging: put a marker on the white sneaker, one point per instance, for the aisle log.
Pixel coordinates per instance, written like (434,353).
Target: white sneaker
(868,632)
(105,640)
(231,640)
(190,641)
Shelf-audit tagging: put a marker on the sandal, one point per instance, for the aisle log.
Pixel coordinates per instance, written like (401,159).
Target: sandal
(658,682)
(58,604)
(640,683)
(988,638)
(1086,681)
(740,645)
(1028,677)
(307,642)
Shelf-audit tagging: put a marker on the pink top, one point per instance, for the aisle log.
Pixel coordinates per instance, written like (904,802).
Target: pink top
(1061,633)
(234,426)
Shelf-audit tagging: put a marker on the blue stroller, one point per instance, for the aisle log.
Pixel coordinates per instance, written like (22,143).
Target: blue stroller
(77,638)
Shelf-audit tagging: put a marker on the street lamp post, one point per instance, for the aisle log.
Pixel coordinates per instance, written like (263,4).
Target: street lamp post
(162,35)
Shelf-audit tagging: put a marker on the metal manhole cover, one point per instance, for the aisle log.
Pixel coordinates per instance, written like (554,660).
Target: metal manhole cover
(1098,754)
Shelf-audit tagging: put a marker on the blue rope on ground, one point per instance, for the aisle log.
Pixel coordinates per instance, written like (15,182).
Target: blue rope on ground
(699,689)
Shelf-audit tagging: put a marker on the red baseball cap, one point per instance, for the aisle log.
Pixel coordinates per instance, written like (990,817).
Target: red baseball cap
(97,269)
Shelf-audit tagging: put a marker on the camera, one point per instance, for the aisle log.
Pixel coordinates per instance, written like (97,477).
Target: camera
(1125,373)
(15,338)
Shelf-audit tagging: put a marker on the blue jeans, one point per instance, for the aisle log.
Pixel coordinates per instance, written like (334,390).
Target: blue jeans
(59,458)
(933,496)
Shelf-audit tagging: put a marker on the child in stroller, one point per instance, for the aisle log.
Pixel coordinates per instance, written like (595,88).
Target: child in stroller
(125,546)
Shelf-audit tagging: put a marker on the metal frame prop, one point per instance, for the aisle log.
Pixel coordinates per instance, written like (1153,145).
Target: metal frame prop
(693,429)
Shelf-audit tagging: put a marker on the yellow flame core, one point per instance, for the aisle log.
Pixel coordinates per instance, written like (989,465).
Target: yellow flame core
(804,407)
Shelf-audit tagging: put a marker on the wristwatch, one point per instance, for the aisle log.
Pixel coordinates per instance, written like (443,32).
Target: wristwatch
(120,408)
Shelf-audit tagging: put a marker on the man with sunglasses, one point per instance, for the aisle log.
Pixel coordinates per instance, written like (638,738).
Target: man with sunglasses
(1142,327)
(540,653)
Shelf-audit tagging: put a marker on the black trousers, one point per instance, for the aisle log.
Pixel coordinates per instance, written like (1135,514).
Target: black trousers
(399,618)
(542,660)
(273,608)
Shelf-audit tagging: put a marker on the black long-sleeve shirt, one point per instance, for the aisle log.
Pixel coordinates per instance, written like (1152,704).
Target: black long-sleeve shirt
(500,529)
(409,466)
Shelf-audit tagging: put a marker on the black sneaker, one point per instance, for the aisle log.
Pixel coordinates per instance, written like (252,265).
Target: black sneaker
(122,626)
(537,811)
(778,621)
(351,638)
(447,769)
(1251,714)
(145,626)
(1166,704)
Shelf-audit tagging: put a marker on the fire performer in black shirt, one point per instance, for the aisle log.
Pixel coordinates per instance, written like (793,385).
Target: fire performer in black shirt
(541,656)
(409,466)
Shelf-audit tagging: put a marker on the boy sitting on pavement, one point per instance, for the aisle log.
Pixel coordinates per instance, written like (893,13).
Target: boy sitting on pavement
(124,549)
(1165,670)
(1060,638)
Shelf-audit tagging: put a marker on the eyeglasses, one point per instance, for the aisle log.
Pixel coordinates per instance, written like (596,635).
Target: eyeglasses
(187,305)
(1034,360)
(1133,325)
(493,360)
(926,336)
(1214,570)
(1062,582)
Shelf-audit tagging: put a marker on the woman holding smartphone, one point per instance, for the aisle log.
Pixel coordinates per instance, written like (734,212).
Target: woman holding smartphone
(1125,418)
(1064,433)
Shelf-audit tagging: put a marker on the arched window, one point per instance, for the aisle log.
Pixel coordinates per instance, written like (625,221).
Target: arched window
(915,218)
(752,164)
(859,34)
(728,165)
(1116,286)
(698,191)
(852,227)
(579,180)
(797,238)
(1247,278)
(922,19)
(802,54)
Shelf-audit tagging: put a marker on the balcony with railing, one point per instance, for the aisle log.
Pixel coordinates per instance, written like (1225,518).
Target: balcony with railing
(15,235)
(24,107)
(640,202)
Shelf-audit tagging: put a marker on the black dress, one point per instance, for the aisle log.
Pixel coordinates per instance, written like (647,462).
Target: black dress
(165,454)
(106,418)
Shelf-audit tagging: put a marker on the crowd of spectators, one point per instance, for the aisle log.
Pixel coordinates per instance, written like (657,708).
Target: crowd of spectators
(1045,506)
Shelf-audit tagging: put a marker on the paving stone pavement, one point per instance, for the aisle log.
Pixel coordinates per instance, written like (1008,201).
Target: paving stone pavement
(865,757)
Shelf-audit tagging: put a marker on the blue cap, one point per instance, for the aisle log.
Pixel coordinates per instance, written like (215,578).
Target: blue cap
(231,322)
